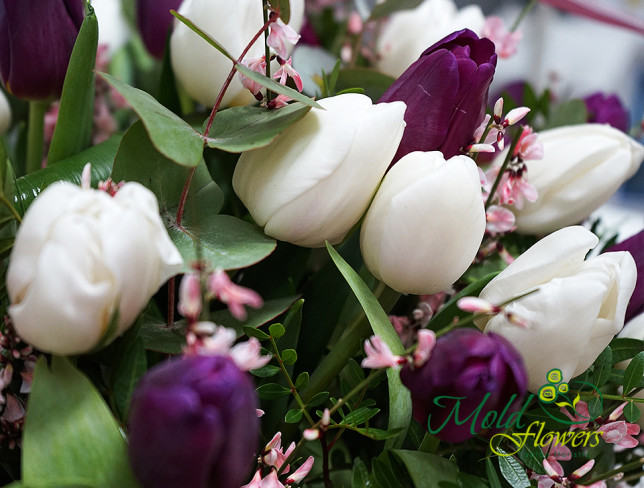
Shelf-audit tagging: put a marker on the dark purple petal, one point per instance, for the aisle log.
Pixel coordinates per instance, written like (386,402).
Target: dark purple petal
(36,42)
(154,20)
(634,245)
(481,370)
(446,93)
(193,423)
(607,109)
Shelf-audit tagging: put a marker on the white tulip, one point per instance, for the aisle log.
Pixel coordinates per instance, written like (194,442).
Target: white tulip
(316,180)
(5,113)
(582,167)
(408,33)
(425,224)
(200,68)
(578,308)
(80,256)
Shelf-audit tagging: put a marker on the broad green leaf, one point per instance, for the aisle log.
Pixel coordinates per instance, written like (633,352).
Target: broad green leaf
(302,381)
(289,356)
(390,6)
(532,456)
(318,399)
(624,348)
(126,374)
(157,337)
(206,37)
(276,87)
(270,391)
(634,372)
(399,396)
(73,130)
(360,416)
(602,367)
(427,470)
(293,416)
(100,156)
(571,112)
(70,433)
(513,472)
(374,83)
(171,135)
(239,129)
(360,476)
(265,371)
(595,407)
(276,330)
(284,8)
(446,314)
(256,317)
(492,477)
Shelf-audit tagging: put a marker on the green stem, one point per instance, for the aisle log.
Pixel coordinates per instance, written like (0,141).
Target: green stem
(267,50)
(622,469)
(497,182)
(618,398)
(522,15)
(13,211)
(35,135)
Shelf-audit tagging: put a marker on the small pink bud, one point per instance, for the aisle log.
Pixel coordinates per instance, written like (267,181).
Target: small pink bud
(477,305)
(498,108)
(311,434)
(190,301)
(301,472)
(426,343)
(515,115)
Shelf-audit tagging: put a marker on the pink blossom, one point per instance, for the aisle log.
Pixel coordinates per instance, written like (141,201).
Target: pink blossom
(235,296)
(247,355)
(529,147)
(620,433)
(301,472)
(258,65)
(280,101)
(190,300)
(477,305)
(286,70)
(556,451)
(281,38)
(554,477)
(274,454)
(426,343)
(514,188)
(499,220)
(582,418)
(505,41)
(379,355)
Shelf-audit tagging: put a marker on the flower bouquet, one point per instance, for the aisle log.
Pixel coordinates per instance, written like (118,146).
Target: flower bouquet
(269,244)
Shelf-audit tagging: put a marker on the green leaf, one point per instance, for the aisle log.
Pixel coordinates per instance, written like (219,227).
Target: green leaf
(427,470)
(633,373)
(595,407)
(492,477)
(360,475)
(289,356)
(360,416)
(632,412)
(602,367)
(390,6)
(512,471)
(101,156)
(157,337)
(399,396)
(293,416)
(256,317)
(270,391)
(625,348)
(276,330)
(73,129)
(302,381)
(373,433)
(239,129)
(276,87)
(253,332)
(318,399)
(446,314)
(127,373)
(171,135)
(532,457)
(374,83)
(265,371)
(284,9)
(572,112)
(206,37)
(70,433)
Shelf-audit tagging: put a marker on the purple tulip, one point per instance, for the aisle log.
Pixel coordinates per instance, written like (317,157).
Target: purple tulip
(482,374)
(154,19)
(36,42)
(607,109)
(193,423)
(446,94)
(634,245)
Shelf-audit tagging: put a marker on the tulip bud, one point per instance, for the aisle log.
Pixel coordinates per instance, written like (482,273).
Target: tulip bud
(578,308)
(79,257)
(316,180)
(407,33)
(483,370)
(425,224)
(193,423)
(607,109)
(582,167)
(446,94)
(36,42)
(154,19)
(200,68)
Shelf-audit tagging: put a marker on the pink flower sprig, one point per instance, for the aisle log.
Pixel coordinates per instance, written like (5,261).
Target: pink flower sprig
(479,306)
(554,477)
(379,354)
(492,129)
(505,41)
(281,38)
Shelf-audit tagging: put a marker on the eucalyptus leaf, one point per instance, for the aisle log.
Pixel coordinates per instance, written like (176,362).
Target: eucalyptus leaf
(73,129)
(171,135)
(239,129)
(70,433)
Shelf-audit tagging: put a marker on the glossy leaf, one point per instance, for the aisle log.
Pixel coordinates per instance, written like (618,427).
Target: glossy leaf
(289,356)
(427,470)
(206,37)
(171,135)
(293,416)
(73,130)
(126,374)
(360,475)
(602,367)
(70,433)
(239,129)
(265,371)
(302,381)
(633,373)
(625,348)
(253,332)
(318,399)
(492,477)
(276,87)
(631,412)
(513,472)
(270,391)
(276,331)
(284,8)
(399,396)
